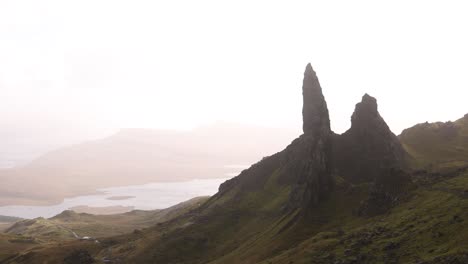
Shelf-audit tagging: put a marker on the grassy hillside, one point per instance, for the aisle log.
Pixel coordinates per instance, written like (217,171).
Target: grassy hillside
(13,245)
(7,221)
(68,225)
(429,227)
(437,146)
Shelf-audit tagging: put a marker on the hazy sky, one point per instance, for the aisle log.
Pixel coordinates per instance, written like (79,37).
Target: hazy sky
(95,66)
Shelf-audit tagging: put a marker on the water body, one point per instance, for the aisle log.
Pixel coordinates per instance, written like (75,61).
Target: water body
(143,197)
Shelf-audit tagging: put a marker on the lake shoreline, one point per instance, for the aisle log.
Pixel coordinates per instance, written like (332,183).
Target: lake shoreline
(150,196)
(22,201)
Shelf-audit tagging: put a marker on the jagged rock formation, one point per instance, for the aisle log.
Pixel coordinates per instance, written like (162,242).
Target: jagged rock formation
(314,110)
(305,165)
(370,152)
(369,148)
(309,157)
(367,152)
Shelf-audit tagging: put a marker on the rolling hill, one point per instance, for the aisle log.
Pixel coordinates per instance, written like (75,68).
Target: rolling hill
(71,226)
(435,146)
(138,156)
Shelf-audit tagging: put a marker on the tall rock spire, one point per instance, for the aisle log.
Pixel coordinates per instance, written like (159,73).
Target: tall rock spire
(314,111)
(308,159)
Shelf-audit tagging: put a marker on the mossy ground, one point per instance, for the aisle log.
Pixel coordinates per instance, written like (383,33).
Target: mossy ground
(430,225)
(437,146)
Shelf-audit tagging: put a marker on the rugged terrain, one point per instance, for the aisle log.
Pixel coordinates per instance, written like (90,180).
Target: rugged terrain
(365,196)
(69,226)
(6,221)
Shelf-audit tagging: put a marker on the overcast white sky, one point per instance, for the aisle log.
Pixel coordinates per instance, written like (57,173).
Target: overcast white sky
(96,66)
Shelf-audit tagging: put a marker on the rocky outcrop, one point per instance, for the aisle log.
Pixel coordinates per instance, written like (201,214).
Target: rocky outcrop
(308,162)
(370,152)
(390,188)
(308,158)
(367,152)
(369,148)
(314,110)
(305,164)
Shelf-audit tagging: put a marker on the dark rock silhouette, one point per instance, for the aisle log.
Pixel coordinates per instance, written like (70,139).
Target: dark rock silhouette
(370,152)
(308,158)
(314,111)
(367,152)
(389,189)
(306,163)
(368,148)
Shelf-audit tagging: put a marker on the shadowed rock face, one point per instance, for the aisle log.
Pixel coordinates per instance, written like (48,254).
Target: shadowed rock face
(308,162)
(305,164)
(370,152)
(367,152)
(314,111)
(369,148)
(308,158)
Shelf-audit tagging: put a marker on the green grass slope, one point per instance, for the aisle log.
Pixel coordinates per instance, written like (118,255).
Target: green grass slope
(431,226)
(12,245)
(437,146)
(68,225)
(40,228)
(7,221)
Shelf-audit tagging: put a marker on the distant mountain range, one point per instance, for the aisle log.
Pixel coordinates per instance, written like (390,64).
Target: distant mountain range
(137,156)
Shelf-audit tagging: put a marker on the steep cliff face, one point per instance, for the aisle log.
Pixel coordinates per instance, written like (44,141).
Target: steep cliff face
(370,153)
(308,159)
(314,110)
(369,148)
(305,165)
(367,153)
